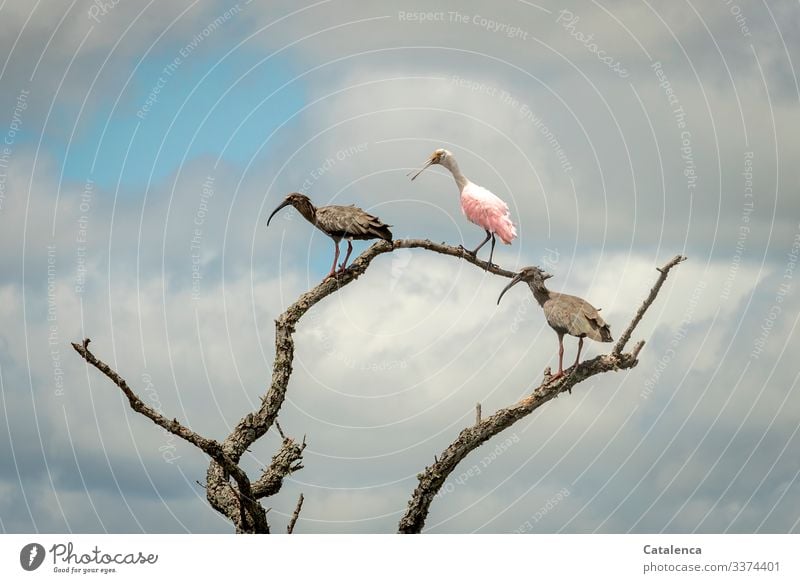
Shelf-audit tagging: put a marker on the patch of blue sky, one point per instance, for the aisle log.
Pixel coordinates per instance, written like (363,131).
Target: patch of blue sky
(197,112)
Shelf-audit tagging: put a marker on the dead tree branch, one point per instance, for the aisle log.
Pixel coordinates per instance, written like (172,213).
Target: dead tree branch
(295,515)
(663,272)
(239,501)
(433,477)
(285,462)
(249,513)
(254,425)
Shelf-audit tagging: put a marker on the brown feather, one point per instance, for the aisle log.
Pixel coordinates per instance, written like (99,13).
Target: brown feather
(575,316)
(351,222)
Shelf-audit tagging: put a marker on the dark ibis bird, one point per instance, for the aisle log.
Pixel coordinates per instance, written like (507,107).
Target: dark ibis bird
(338,222)
(480,206)
(565,314)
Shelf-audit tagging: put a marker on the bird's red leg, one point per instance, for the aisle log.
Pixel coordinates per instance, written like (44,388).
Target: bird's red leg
(335,259)
(478,248)
(347,256)
(580,346)
(560,372)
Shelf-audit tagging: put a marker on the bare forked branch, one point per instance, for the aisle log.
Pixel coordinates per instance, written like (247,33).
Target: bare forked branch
(240,501)
(254,425)
(248,513)
(433,477)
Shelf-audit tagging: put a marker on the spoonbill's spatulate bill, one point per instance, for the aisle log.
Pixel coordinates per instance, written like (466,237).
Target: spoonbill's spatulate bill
(338,222)
(479,205)
(565,314)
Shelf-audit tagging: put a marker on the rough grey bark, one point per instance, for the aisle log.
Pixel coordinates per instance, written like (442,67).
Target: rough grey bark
(285,462)
(433,477)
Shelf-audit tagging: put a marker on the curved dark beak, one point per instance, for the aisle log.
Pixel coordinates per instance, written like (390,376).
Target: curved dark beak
(546,275)
(428,163)
(516,280)
(280,206)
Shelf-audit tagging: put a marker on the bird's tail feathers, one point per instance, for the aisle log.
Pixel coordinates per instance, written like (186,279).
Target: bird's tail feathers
(506,230)
(383,232)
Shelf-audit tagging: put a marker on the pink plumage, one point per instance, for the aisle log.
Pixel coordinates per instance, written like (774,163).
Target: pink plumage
(480,206)
(483,208)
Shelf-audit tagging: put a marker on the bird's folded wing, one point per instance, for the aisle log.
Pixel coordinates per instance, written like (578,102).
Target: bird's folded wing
(592,314)
(601,329)
(486,198)
(351,221)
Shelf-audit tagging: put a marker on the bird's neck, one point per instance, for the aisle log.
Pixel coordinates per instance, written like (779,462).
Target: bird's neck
(541,293)
(308,210)
(452,166)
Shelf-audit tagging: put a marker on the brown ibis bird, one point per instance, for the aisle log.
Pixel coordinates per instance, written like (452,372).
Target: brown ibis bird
(338,222)
(565,314)
(481,206)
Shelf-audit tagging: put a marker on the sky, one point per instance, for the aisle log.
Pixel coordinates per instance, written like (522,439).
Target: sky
(143,145)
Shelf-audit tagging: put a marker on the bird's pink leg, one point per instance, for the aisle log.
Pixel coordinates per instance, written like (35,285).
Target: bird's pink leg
(347,256)
(560,372)
(335,259)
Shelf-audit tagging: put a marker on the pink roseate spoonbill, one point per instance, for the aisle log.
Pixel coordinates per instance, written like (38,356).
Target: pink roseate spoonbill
(338,222)
(565,314)
(479,205)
